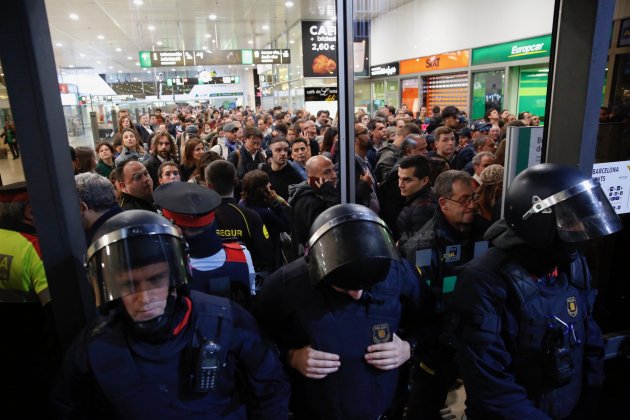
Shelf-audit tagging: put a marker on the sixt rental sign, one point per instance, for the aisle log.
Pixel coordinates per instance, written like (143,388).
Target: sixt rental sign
(511,51)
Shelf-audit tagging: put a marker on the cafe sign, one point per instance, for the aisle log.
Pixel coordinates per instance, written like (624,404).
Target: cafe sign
(511,51)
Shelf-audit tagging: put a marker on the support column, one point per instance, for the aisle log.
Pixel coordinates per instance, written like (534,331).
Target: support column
(345,84)
(31,79)
(577,69)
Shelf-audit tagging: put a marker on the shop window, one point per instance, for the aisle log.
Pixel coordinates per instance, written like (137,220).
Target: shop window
(444,90)
(487,92)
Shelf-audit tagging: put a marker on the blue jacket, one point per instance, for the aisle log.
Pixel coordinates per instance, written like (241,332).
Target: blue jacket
(512,365)
(110,373)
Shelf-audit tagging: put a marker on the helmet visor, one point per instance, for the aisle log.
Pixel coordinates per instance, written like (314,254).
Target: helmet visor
(136,264)
(587,215)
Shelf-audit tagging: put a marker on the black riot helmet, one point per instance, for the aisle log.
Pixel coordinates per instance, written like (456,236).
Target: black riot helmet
(136,250)
(550,201)
(350,247)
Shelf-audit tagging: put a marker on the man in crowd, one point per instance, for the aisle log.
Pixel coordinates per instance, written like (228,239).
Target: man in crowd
(310,198)
(444,144)
(300,153)
(248,157)
(235,222)
(449,239)
(136,186)
(281,172)
(226,144)
(97,201)
(163,149)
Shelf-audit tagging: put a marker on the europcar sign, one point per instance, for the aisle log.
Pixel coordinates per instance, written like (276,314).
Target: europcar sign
(511,51)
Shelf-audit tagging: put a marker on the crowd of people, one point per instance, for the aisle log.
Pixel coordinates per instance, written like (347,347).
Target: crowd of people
(232,283)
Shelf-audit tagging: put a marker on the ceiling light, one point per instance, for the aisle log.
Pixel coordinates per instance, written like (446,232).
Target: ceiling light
(101,37)
(173,70)
(137,64)
(212,17)
(208,36)
(151,28)
(118,49)
(71,66)
(81,55)
(292,42)
(119,71)
(265,27)
(288,3)
(214,40)
(110,67)
(138,2)
(129,57)
(58,44)
(74,16)
(250,42)
(159,43)
(246,69)
(98,62)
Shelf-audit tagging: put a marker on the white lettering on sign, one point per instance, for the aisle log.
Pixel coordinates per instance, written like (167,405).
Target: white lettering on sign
(614,178)
(324,33)
(380,71)
(528,49)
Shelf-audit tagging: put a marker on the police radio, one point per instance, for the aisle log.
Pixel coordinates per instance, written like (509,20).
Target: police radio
(206,366)
(207,360)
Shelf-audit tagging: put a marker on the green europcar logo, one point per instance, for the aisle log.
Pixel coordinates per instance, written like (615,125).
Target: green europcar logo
(533,49)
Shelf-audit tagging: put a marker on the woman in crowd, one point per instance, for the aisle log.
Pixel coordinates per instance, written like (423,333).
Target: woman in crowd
(330,139)
(206,159)
(105,163)
(193,151)
(131,148)
(86,161)
(274,211)
(490,191)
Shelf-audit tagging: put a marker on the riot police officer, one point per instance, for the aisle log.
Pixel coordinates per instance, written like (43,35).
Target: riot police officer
(528,345)
(345,318)
(159,351)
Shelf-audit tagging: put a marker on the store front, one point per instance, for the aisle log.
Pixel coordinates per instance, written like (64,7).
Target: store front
(443,81)
(385,85)
(511,75)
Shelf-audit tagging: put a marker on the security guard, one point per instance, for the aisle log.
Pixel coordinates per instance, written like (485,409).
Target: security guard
(235,222)
(448,240)
(26,321)
(346,318)
(528,345)
(159,351)
(218,268)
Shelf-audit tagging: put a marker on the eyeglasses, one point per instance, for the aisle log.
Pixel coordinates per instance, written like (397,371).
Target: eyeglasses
(465,200)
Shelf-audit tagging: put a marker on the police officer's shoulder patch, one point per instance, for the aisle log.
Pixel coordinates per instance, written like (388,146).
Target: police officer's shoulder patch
(381,333)
(572,308)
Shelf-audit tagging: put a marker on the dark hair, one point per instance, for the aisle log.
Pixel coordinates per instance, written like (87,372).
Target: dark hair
(329,139)
(221,176)
(441,130)
(410,128)
(252,132)
(299,140)
(164,165)
(277,139)
(85,159)
(282,127)
(104,143)
(255,188)
(449,111)
(488,112)
(206,159)
(436,166)
(155,139)
(372,124)
(419,163)
(73,153)
(521,115)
